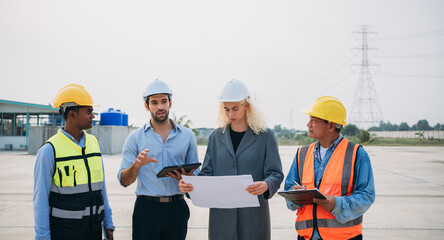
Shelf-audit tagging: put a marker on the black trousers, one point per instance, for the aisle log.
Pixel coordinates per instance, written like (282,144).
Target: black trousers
(75,234)
(160,221)
(74,229)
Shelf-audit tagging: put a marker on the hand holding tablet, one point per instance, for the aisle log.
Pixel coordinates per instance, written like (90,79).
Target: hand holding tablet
(171,169)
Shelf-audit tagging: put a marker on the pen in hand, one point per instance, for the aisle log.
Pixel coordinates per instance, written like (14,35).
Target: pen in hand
(296,184)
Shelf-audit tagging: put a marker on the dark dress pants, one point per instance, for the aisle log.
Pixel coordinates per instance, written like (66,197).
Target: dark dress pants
(160,221)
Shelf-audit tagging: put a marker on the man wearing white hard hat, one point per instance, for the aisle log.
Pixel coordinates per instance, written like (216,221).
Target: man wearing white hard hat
(340,169)
(242,145)
(160,211)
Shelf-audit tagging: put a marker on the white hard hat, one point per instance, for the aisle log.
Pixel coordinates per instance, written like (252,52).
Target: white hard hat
(233,91)
(157,87)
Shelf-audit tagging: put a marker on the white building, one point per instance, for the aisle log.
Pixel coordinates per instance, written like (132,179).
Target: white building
(17,117)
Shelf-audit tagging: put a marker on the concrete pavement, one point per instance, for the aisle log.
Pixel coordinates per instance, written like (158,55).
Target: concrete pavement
(409,196)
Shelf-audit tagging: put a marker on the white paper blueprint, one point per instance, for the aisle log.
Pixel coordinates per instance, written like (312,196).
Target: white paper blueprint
(221,191)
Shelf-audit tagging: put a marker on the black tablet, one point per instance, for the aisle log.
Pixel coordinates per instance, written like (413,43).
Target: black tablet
(302,196)
(187,167)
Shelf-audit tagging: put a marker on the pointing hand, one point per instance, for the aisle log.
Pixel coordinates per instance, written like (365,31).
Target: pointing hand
(143,159)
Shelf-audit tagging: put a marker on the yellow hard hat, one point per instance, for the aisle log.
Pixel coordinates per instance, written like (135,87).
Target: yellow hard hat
(328,108)
(73,94)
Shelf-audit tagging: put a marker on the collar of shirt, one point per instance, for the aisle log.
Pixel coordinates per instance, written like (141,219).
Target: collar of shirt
(177,127)
(178,149)
(332,146)
(81,143)
(319,166)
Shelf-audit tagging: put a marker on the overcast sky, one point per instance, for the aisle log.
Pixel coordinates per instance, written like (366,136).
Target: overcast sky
(287,52)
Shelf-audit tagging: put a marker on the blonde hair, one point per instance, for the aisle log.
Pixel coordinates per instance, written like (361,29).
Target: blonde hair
(255,119)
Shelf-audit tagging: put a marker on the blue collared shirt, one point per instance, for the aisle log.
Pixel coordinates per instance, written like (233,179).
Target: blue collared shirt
(346,208)
(43,174)
(179,148)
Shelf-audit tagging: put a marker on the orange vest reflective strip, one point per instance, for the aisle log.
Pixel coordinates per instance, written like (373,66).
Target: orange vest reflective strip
(337,180)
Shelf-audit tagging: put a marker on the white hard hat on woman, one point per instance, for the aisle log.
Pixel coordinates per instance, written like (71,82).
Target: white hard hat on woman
(234,91)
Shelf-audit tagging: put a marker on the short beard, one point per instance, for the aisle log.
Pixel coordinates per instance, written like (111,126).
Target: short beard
(160,119)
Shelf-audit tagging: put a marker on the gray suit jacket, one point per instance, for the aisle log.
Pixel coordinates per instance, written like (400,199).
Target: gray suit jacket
(257,155)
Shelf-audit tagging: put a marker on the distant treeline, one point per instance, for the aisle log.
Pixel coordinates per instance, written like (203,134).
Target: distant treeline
(421,125)
(352,130)
(297,137)
(292,136)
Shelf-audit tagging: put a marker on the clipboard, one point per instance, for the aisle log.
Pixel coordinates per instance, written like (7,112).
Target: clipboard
(302,196)
(187,167)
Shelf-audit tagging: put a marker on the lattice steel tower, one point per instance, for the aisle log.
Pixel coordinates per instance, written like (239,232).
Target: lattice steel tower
(366,111)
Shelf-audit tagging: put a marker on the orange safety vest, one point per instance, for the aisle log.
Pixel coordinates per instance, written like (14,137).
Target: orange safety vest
(336,181)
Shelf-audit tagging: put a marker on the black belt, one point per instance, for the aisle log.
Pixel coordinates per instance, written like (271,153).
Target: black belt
(166,199)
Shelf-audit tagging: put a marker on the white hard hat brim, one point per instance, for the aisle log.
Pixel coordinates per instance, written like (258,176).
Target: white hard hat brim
(221,99)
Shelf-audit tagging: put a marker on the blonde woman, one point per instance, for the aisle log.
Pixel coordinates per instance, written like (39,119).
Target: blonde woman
(242,145)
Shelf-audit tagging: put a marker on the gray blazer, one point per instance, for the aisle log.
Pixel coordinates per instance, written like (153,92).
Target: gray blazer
(257,155)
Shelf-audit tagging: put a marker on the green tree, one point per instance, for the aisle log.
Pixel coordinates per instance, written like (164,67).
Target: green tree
(388,127)
(350,130)
(403,127)
(365,137)
(182,120)
(385,127)
(438,127)
(423,125)
(277,128)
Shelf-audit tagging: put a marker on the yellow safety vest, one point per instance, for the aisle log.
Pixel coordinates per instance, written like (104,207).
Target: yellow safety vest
(76,190)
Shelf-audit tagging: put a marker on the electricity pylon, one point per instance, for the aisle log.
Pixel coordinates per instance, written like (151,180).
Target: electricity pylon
(366,111)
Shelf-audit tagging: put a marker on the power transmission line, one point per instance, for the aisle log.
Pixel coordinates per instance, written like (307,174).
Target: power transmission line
(412,76)
(366,111)
(315,80)
(437,33)
(424,55)
(314,83)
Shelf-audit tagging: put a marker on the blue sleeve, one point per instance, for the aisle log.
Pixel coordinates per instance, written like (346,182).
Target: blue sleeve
(129,155)
(43,174)
(107,208)
(192,155)
(293,175)
(351,207)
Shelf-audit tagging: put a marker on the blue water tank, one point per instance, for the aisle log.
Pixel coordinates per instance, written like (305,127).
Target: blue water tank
(113,117)
(125,119)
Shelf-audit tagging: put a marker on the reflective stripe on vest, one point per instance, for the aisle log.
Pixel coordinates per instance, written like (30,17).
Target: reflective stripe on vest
(328,223)
(337,180)
(77,189)
(302,154)
(61,213)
